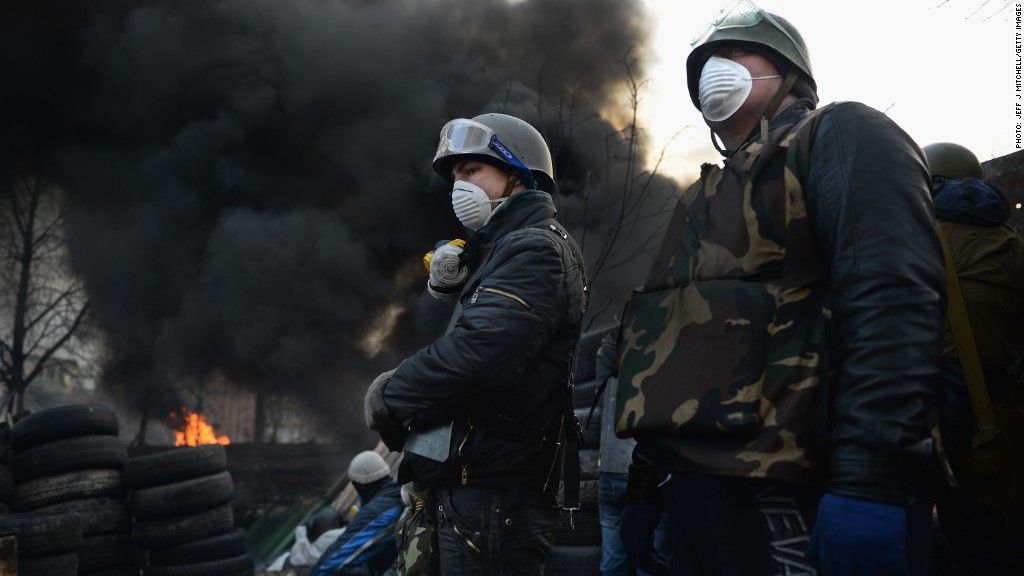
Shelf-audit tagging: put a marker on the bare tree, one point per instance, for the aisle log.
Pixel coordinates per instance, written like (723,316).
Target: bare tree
(42,304)
(638,216)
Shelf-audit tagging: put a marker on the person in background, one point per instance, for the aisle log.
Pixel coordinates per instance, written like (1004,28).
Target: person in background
(779,366)
(988,255)
(368,543)
(495,388)
(615,457)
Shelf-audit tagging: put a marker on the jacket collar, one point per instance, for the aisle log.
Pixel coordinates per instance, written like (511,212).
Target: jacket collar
(519,210)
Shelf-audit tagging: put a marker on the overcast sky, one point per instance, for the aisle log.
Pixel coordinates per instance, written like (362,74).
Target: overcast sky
(942,69)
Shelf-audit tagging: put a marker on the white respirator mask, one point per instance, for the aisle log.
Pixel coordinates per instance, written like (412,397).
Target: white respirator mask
(723,88)
(471,204)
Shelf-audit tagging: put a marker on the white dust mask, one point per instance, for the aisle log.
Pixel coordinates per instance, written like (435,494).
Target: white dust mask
(471,204)
(724,86)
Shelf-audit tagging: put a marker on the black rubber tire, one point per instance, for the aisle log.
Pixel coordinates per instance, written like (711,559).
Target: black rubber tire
(169,532)
(174,465)
(589,459)
(583,393)
(585,529)
(126,570)
(68,486)
(59,565)
(62,422)
(43,533)
(573,561)
(226,545)
(6,486)
(131,569)
(103,515)
(105,551)
(68,455)
(586,357)
(185,497)
(237,566)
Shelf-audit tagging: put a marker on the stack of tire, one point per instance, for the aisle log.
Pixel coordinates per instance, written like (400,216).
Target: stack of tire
(577,548)
(180,500)
(68,462)
(6,480)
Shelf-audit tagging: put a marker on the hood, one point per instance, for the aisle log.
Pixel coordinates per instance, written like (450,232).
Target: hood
(971,201)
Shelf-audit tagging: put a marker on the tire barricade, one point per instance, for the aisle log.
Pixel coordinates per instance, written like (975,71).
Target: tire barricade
(71,515)
(180,500)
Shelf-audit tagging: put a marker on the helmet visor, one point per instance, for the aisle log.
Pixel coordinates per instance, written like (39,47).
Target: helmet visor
(743,14)
(462,136)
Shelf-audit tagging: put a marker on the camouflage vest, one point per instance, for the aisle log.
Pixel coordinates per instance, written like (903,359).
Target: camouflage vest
(721,354)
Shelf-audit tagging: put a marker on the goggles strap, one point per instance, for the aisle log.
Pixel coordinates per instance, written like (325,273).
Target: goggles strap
(504,152)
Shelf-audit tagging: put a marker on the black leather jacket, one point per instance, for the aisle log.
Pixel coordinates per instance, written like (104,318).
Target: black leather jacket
(870,206)
(501,372)
(866,188)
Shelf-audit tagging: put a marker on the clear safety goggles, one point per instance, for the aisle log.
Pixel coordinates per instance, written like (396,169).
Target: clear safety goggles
(743,14)
(463,136)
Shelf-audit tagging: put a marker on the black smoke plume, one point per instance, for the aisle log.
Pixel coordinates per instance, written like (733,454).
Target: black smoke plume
(252,179)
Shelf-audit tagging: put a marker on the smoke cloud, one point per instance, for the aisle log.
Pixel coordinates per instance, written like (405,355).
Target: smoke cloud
(252,179)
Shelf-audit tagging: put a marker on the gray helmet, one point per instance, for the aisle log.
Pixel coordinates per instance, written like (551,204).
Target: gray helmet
(949,161)
(490,137)
(743,23)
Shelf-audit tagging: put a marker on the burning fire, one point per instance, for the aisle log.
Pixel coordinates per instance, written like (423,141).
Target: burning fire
(197,431)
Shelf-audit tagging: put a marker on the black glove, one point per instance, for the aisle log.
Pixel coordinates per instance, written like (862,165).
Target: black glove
(641,514)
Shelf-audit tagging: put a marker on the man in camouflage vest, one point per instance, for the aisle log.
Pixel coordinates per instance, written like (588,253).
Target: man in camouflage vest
(777,368)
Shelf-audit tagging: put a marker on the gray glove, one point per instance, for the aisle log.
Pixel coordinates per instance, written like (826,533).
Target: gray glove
(378,417)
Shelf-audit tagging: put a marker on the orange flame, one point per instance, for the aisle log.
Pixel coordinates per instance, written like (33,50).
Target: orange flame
(197,431)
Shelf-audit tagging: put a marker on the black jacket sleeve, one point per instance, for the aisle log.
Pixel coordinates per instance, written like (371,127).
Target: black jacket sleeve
(868,197)
(519,298)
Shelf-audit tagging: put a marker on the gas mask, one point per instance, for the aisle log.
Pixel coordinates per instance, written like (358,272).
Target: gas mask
(471,204)
(724,86)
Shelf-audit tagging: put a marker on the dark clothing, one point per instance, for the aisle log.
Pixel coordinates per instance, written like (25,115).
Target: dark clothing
(489,533)
(827,252)
(868,194)
(989,259)
(368,542)
(714,518)
(501,373)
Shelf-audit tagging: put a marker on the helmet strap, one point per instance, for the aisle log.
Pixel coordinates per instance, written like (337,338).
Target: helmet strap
(776,100)
(769,111)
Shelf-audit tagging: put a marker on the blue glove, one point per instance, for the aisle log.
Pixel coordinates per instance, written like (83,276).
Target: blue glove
(637,532)
(854,537)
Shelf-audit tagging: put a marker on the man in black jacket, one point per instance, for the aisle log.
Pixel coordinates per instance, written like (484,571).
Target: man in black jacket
(498,380)
(778,368)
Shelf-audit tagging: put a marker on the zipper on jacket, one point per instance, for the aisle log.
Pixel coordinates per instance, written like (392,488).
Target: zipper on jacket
(469,423)
(464,474)
(500,293)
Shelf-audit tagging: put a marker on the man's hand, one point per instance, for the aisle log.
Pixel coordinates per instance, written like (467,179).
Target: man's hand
(378,417)
(639,521)
(855,537)
(641,514)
